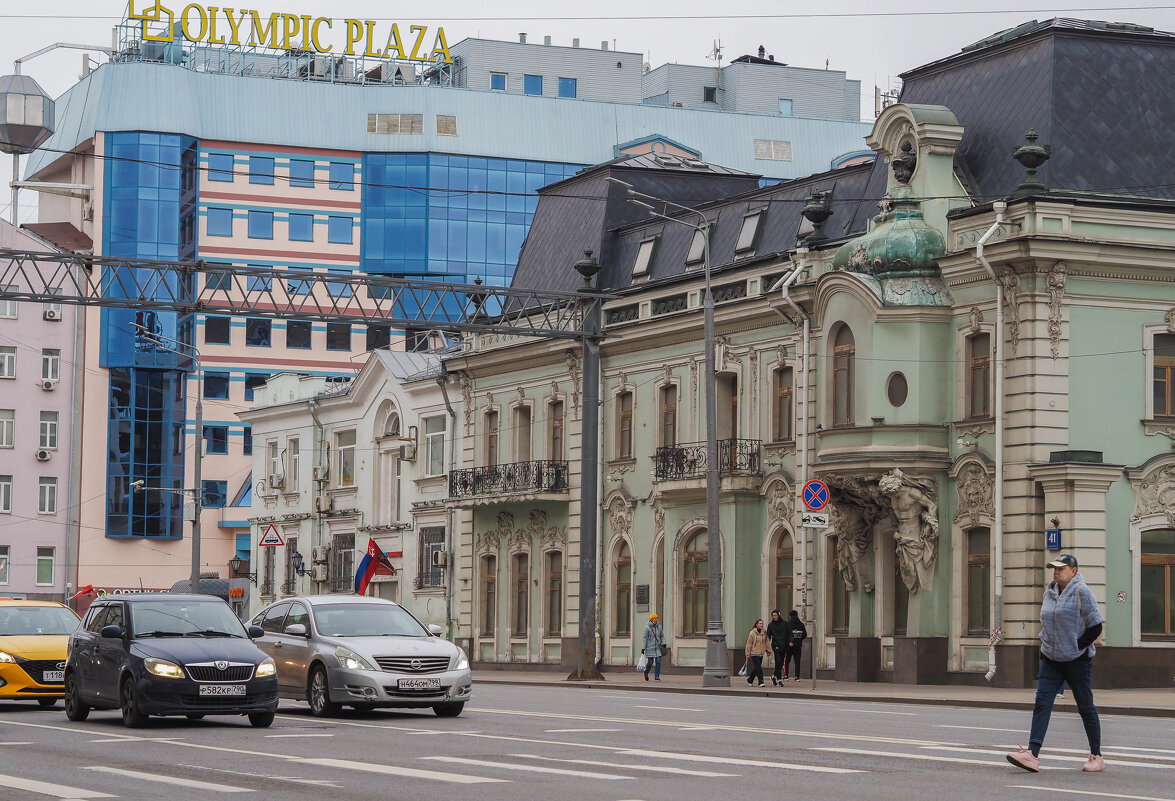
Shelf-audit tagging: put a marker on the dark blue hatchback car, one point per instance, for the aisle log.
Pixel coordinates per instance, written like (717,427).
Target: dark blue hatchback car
(160,654)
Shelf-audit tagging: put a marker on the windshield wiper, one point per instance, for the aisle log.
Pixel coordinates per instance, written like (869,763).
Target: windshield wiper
(215,633)
(161,634)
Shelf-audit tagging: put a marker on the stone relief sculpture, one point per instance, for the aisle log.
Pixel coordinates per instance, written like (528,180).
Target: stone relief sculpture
(852,530)
(658,518)
(573,371)
(780,502)
(1155,494)
(619,518)
(976,494)
(492,540)
(467,400)
(914,504)
(1011,285)
(1056,287)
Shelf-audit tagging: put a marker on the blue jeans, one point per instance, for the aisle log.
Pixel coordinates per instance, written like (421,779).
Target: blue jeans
(1078,674)
(653,665)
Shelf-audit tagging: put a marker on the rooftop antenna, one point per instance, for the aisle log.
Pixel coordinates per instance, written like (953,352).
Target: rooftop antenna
(716,52)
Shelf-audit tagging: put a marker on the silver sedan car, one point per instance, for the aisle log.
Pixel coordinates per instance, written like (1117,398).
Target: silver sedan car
(336,650)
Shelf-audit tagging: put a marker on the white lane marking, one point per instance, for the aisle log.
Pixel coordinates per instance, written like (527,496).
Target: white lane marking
(45,788)
(872,711)
(977,728)
(527,768)
(1087,792)
(1052,756)
(397,770)
(29,743)
(756,763)
(644,768)
(178,782)
(238,773)
(569,731)
(923,757)
(670,708)
(299,735)
(696,728)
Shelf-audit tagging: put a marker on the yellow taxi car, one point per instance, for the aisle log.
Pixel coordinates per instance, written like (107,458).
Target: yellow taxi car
(33,637)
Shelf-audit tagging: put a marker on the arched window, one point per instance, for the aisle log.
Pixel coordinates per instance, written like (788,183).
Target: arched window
(784,574)
(622,625)
(521,579)
(979,375)
(1157,590)
(782,414)
(695,585)
(843,355)
(489,594)
(554,593)
(392,426)
(1164,375)
(978,580)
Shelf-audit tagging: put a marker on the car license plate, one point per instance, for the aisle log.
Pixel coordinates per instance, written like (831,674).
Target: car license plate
(222,689)
(420,684)
(53,676)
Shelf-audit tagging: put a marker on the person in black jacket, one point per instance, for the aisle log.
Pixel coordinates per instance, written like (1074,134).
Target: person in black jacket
(779,632)
(797,632)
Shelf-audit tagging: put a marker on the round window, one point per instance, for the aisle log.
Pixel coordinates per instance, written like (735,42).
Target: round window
(896,389)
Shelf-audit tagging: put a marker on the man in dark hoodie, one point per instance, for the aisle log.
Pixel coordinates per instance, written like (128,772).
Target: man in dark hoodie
(779,632)
(795,643)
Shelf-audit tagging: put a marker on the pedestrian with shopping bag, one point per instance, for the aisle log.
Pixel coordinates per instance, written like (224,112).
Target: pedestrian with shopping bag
(652,647)
(756,647)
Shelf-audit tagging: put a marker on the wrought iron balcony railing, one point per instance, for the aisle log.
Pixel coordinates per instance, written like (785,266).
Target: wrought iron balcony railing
(736,457)
(541,476)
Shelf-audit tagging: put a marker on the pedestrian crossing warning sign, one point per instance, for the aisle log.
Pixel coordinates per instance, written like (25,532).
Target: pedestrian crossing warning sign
(271,537)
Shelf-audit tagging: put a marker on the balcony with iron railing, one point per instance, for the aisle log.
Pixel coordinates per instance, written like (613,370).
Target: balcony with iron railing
(687,460)
(513,479)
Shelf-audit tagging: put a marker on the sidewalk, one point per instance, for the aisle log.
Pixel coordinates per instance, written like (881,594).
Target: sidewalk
(1143,703)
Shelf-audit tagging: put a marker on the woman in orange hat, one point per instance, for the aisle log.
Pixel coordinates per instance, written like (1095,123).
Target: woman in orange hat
(654,641)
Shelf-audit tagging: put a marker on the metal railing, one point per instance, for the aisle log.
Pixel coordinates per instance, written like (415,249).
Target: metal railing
(540,476)
(736,457)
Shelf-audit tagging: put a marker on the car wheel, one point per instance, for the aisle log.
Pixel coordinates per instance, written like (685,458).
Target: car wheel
(194,716)
(448,710)
(318,694)
(47,702)
(261,720)
(75,709)
(132,714)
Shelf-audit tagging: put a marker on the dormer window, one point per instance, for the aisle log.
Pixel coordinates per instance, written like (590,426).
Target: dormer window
(644,257)
(748,235)
(697,247)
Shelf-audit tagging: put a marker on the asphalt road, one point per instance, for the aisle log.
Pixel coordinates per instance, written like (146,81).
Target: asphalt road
(519,743)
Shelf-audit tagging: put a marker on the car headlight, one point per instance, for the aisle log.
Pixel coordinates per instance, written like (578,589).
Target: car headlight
(351,660)
(462,660)
(161,667)
(7,657)
(266,668)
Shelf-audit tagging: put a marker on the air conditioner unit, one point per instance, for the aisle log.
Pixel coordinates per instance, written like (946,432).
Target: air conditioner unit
(440,558)
(324,503)
(319,554)
(52,313)
(321,473)
(88,211)
(408,452)
(319,573)
(44,454)
(277,480)
(48,384)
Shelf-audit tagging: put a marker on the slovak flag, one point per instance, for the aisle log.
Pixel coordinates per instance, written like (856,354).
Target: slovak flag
(373,562)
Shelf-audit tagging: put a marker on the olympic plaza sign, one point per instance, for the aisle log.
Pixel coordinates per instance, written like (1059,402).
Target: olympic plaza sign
(278,31)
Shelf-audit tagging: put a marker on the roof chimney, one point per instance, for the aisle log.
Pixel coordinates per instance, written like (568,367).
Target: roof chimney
(604,45)
(547,40)
(771,57)
(762,51)
(522,38)
(575,42)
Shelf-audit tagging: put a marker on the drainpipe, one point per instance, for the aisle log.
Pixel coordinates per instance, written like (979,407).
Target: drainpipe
(442,382)
(73,529)
(998,341)
(317,454)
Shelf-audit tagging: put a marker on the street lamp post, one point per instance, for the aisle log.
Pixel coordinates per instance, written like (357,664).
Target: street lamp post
(716,672)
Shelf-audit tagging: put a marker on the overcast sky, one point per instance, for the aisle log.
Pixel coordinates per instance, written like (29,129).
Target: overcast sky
(871,42)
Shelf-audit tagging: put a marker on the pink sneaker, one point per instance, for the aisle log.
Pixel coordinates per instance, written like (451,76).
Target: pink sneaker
(1024,759)
(1095,764)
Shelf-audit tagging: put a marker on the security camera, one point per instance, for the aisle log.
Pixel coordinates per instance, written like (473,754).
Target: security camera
(138,485)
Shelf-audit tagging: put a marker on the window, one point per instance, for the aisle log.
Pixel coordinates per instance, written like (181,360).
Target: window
(215,281)
(294,453)
(297,334)
(216,439)
(301,227)
(5,558)
(491,438)
(773,150)
(1157,584)
(259,283)
(978,580)
(522,418)
(8,307)
(247,440)
(257,332)
(7,427)
(567,87)
(498,81)
(47,496)
(489,595)
(554,593)
(261,225)
(521,599)
(432,540)
(446,125)
(727,391)
(302,173)
(339,230)
(220,167)
(252,382)
(897,389)
(378,336)
(216,385)
(622,624)
(979,374)
(669,415)
(7,361)
(784,574)
(843,355)
(555,419)
(532,84)
(644,256)
(342,175)
(49,430)
(624,425)
(781,425)
(44,565)
(434,445)
(901,602)
(51,364)
(214,494)
(695,585)
(697,246)
(785,107)
(271,456)
(217,330)
(345,445)
(220,222)
(839,620)
(748,235)
(338,336)
(342,574)
(261,170)
(709,94)
(6,495)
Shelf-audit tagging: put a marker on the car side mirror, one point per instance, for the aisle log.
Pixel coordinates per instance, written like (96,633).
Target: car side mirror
(111,632)
(255,632)
(435,630)
(296,630)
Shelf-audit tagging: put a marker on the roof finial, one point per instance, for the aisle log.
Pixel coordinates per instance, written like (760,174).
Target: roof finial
(1031,156)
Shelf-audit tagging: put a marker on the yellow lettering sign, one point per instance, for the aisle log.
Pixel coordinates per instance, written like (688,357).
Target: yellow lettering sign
(441,46)
(212,37)
(235,24)
(354,32)
(203,23)
(314,35)
(393,45)
(260,34)
(291,23)
(371,32)
(419,29)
